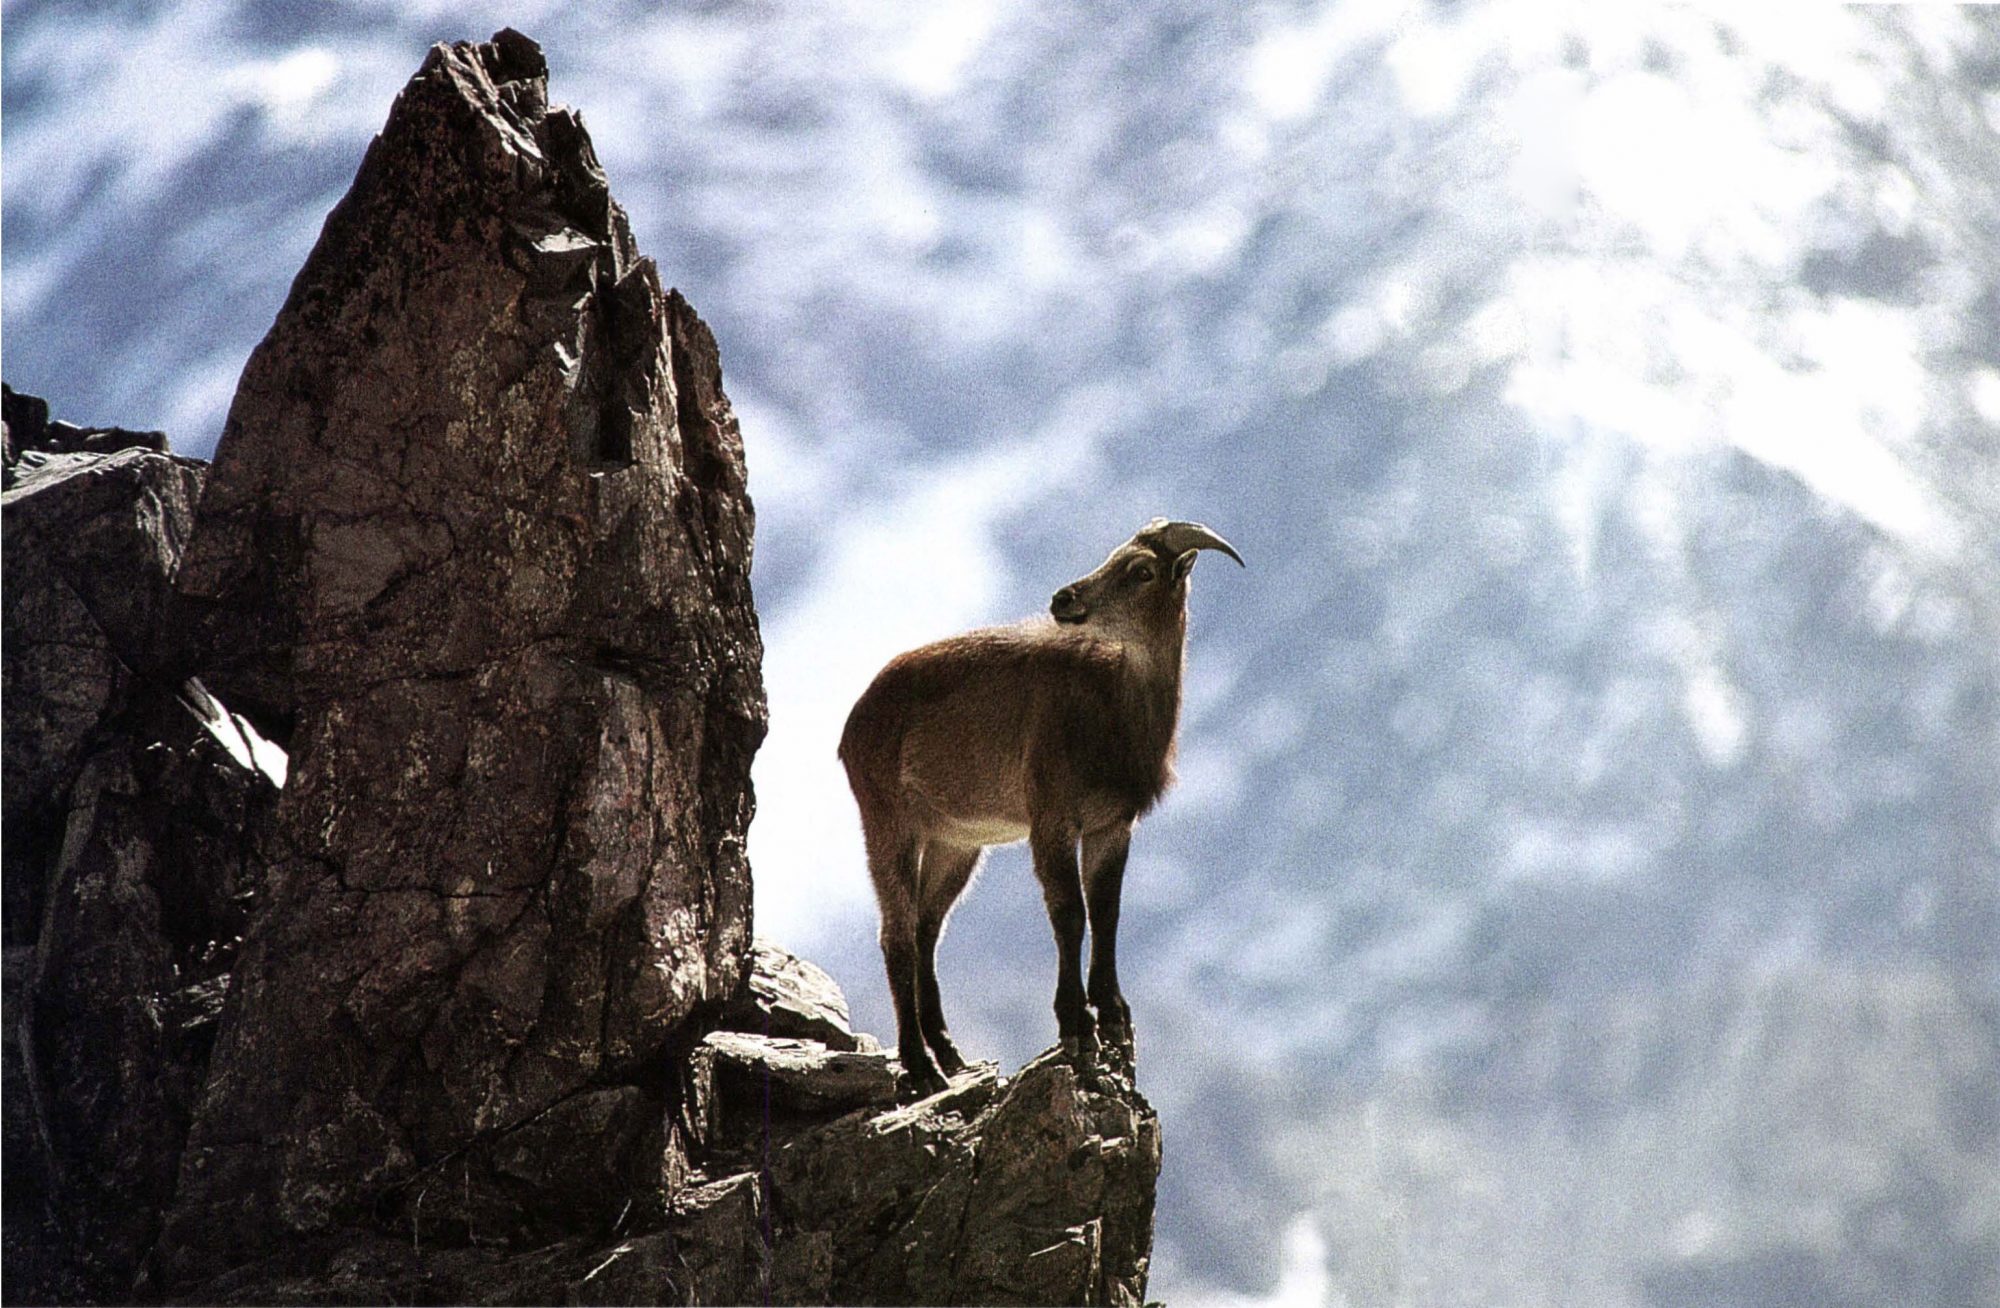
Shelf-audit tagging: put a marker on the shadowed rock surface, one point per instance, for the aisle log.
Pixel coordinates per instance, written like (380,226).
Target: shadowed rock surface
(1031,1190)
(91,545)
(474,560)
(133,816)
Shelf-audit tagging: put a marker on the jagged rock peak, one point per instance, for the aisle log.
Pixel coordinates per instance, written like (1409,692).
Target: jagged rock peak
(558,308)
(476,549)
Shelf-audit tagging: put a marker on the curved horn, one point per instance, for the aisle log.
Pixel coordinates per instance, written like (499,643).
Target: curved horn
(1180,537)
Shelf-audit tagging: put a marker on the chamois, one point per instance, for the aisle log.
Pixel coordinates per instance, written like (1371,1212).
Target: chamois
(1060,733)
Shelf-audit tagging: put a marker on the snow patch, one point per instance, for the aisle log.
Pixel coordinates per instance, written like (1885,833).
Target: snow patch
(235,734)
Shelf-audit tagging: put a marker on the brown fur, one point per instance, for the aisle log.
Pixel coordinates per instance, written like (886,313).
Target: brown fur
(1094,733)
(1056,733)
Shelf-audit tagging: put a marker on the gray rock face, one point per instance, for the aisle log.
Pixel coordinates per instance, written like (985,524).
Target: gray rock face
(151,889)
(91,545)
(745,1086)
(132,860)
(476,545)
(1034,1190)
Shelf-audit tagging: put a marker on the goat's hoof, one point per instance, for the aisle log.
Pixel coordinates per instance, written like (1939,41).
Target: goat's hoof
(921,1084)
(1080,1051)
(1083,1058)
(948,1059)
(917,1087)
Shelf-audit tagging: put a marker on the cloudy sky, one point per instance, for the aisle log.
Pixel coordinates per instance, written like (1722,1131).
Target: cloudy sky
(1599,753)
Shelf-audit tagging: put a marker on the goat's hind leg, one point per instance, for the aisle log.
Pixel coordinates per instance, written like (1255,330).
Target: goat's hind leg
(941,880)
(893,866)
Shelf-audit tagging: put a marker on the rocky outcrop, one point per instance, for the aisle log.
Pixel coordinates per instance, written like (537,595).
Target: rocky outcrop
(91,546)
(133,811)
(476,547)
(1038,1189)
(815,1188)
(469,579)
(28,430)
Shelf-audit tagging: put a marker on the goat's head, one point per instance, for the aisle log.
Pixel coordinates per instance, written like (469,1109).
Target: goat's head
(1143,585)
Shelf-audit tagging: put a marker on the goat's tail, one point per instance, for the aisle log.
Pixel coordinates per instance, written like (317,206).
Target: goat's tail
(869,741)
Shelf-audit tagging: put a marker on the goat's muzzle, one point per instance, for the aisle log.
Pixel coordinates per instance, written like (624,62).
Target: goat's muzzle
(1064,606)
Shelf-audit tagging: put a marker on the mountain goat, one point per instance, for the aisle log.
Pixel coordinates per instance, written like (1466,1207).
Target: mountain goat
(1058,733)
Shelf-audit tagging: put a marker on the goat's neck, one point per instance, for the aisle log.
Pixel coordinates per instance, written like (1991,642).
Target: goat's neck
(1152,687)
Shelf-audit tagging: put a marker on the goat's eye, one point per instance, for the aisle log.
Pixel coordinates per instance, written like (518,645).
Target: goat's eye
(1142,573)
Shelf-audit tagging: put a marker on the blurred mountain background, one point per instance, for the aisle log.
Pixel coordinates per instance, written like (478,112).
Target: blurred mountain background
(1584,885)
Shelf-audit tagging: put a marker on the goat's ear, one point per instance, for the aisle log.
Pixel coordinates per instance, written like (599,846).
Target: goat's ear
(1184,564)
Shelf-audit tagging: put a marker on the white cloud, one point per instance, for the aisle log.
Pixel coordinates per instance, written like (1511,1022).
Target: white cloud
(288,89)
(1434,63)
(1984,384)
(1287,70)
(1303,1280)
(941,43)
(1715,712)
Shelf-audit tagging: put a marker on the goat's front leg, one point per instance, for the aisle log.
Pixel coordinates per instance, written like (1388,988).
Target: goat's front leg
(1103,881)
(1054,850)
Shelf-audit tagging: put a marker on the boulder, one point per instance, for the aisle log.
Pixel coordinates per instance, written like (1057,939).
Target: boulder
(476,549)
(28,430)
(790,997)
